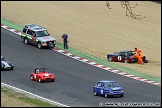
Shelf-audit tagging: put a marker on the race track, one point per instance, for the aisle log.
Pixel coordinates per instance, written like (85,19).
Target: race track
(74,79)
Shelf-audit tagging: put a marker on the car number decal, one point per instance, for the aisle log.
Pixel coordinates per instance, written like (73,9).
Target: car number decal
(119,58)
(101,91)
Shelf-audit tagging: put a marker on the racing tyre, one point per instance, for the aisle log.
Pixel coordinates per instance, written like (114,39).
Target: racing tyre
(95,93)
(12,68)
(31,77)
(121,95)
(125,61)
(26,41)
(2,67)
(39,80)
(53,80)
(110,59)
(106,95)
(39,45)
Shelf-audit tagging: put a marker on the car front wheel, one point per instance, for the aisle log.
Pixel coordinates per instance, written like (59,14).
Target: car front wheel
(12,68)
(2,68)
(106,95)
(110,59)
(31,77)
(121,95)
(53,80)
(39,80)
(95,93)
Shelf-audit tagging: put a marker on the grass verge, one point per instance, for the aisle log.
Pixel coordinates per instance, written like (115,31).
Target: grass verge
(22,97)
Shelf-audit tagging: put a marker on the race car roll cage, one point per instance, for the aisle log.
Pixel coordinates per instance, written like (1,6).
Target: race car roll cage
(37,70)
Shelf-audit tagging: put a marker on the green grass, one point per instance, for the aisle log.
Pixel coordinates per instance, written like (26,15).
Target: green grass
(109,64)
(36,102)
(22,97)
(91,57)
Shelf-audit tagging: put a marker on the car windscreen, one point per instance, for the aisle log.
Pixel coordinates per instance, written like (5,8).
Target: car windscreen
(43,70)
(42,33)
(112,84)
(129,53)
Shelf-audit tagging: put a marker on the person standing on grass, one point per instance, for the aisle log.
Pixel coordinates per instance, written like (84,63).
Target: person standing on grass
(65,41)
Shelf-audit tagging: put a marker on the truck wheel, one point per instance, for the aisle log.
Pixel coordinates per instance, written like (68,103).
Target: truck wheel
(26,41)
(39,45)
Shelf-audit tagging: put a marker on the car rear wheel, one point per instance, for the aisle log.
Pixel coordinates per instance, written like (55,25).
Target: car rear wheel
(39,45)
(26,40)
(39,80)
(110,59)
(95,93)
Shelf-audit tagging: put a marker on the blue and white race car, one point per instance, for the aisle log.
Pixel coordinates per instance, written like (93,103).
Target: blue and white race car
(108,88)
(5,64)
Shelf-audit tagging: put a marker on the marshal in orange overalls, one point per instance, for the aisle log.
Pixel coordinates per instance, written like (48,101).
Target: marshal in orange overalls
(139,57)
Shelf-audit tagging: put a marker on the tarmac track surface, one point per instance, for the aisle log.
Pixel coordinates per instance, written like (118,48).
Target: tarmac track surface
(74,79)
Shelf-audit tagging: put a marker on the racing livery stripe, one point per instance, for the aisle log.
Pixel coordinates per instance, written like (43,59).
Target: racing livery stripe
(91,62)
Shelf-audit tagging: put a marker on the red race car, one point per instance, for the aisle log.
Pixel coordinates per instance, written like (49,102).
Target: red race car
(42,75)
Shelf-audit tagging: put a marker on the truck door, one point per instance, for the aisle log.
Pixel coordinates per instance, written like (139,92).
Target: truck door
(34,38)
(29,35)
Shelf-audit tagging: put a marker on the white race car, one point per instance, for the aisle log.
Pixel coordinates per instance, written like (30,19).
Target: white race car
(5,64)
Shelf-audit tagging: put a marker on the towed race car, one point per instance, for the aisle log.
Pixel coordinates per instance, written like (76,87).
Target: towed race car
(5,64)
(122,56)
(108,88)
(42,75)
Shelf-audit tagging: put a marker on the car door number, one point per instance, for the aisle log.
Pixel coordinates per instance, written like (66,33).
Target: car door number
(119,58)
(101,91)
